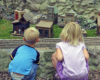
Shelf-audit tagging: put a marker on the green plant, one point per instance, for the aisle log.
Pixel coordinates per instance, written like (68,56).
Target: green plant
(56,30)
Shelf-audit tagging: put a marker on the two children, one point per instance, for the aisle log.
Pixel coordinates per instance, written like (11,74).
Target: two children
(25,58)
(70,59)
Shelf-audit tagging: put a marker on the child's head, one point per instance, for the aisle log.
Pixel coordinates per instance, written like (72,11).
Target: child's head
(31,35)
(72,33)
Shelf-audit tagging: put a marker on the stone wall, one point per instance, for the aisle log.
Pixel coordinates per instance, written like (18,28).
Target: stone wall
(94,60)
(4,60)
(88,8)
(45,69)
(46,47)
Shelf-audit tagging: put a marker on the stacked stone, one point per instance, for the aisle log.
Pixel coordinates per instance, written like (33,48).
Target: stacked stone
(88,8)
(4,60)
(45,69)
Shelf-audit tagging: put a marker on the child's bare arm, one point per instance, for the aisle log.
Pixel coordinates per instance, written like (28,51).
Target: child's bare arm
(59,54)
(86,54)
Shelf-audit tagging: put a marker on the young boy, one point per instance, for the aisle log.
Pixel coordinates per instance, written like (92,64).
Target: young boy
(25,58)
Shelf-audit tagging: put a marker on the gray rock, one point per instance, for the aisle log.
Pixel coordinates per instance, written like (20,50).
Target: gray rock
(52,1)
(89,8)
(60,8)
(94,53)
(45,69)
(43,6)
(39,1)
(61,1)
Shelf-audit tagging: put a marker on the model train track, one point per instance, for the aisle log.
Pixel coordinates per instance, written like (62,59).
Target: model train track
(45,42)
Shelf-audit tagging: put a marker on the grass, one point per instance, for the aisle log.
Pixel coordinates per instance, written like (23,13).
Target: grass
(6,29)
(91,33)
(57,30)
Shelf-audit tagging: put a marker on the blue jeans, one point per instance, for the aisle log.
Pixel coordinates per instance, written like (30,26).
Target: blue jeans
(31,75)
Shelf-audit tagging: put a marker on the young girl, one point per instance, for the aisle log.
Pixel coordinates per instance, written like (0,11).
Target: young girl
(71,57)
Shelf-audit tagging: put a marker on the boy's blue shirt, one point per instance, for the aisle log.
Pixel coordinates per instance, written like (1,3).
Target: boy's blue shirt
(23,58)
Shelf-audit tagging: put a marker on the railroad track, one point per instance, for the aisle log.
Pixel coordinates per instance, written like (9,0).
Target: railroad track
(45,42)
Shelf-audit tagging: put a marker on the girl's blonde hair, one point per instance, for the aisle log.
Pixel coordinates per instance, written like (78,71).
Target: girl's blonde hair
(31,35)
(72,33)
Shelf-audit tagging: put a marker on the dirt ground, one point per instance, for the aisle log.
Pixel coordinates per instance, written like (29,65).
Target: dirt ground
(93,75)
